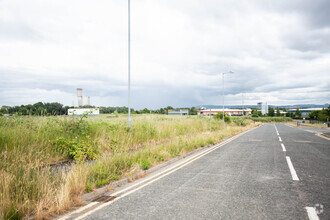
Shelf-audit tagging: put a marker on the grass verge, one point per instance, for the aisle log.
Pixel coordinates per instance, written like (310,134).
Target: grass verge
(28,144)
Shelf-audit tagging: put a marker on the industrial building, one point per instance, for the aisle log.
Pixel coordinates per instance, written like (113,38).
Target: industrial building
(304,112)
(81,111)
(80,96)
(178,112)
(231,112)
(263,107)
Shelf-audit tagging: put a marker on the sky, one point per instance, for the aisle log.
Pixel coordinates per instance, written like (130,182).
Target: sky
(279,52)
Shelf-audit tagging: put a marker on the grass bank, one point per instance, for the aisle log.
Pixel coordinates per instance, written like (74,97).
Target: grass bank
(269,119)
(29,144)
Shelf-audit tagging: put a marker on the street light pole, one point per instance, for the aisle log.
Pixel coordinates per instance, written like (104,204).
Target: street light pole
(223,97)
(129,65)
(223,94)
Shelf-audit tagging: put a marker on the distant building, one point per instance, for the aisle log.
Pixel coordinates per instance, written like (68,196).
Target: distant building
(80,96)
(88,100)
(263,107)
(178,112)
(305,111)
(232,112)
(81,111)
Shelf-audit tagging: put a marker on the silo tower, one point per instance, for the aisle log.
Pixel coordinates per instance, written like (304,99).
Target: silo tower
(80,96)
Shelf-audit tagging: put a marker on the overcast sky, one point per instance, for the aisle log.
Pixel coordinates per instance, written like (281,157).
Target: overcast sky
(279,51)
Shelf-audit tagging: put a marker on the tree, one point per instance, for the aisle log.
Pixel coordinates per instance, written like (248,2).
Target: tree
(271,112)
(193,111)
(321,115)
(314,114)
(278,113)
(23,110)
(145,111)
(298,113)
(4,110)
(162,111)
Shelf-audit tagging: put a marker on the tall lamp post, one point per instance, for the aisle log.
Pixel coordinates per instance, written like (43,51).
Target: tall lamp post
(223,94)
(129,65)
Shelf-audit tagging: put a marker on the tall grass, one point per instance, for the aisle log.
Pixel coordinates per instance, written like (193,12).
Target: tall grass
(269,119)
(29,144)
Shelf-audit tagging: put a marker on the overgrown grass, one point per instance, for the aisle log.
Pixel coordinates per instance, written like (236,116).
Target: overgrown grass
(28,186)
(269,119)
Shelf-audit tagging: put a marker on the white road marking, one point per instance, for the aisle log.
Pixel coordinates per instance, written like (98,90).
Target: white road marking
(292,170)
(280,138)
(312,215)
(177,167)
(79,210)
(283,147)
(276,130)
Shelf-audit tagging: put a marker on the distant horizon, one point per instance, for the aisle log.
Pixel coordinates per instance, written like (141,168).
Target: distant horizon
(197,106)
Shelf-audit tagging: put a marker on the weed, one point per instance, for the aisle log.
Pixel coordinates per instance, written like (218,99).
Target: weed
(89,187)
(145,164)
(219,116)
(28,144)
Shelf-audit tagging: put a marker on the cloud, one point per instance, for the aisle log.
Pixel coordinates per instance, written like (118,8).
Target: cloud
(278,50)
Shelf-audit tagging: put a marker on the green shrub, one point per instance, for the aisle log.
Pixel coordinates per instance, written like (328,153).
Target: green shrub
(13,214)
(89,187)
(77,149)
(145,164)
(239,121)
(219,116)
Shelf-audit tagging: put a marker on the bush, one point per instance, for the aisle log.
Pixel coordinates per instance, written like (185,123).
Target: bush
(145,164)
(79,150)
(219,116)
(239,121)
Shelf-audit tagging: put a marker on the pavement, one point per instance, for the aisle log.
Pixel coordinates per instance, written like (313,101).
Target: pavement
(327,134)
(272,172)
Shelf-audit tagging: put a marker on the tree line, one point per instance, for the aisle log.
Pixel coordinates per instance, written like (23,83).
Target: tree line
(55,108)
(321,115)
(39,108)
(124,110)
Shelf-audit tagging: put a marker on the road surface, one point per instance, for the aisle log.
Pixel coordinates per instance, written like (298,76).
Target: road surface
(272,172)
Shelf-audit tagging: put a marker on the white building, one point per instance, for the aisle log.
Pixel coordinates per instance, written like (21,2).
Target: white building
(263,107)
(231,112)
(178,112)
(81,111)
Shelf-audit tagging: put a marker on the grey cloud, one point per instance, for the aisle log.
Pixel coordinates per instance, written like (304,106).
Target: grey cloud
(204,50)
(13,31)
(315,13)
(26,79)
(318,41)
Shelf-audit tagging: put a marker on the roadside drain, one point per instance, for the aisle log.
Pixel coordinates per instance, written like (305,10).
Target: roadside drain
(104,199)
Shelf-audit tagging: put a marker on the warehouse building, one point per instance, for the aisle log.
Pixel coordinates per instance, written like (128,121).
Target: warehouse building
(231,112)
(305,112)
(178,112)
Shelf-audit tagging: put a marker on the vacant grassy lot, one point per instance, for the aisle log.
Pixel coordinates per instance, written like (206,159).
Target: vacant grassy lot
(269,119)
(28,145)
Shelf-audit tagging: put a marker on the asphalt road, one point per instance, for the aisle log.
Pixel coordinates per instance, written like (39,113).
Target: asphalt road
(247,178)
